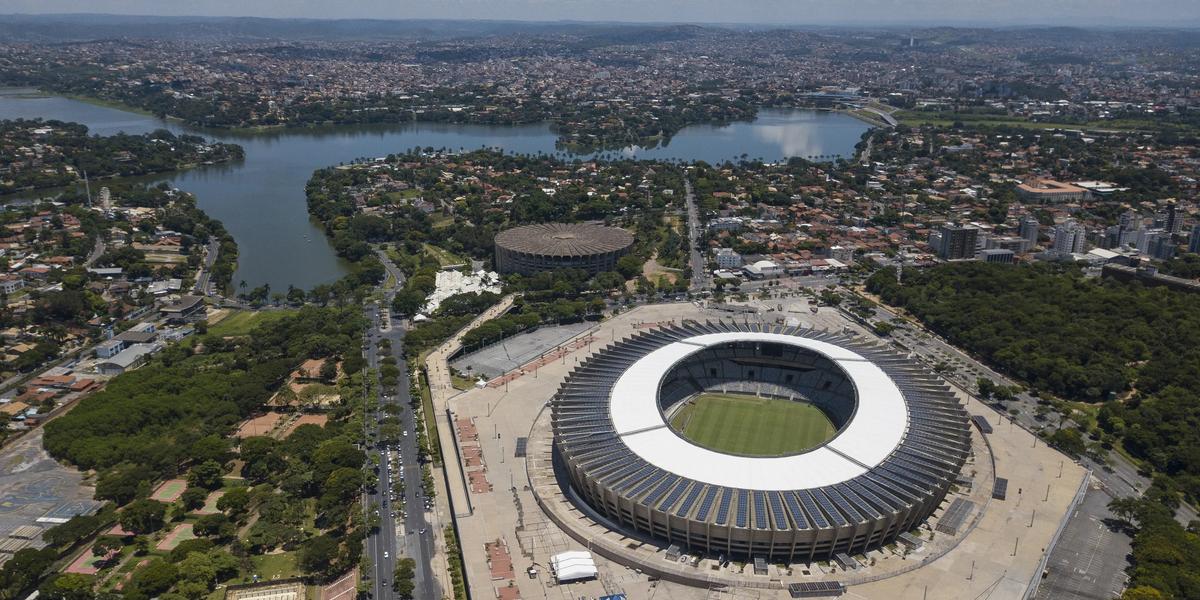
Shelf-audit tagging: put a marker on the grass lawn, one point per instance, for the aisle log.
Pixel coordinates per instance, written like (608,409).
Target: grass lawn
(744,424)
(444,257)
(462,383)
(242,321)
(275,566)
(427,417)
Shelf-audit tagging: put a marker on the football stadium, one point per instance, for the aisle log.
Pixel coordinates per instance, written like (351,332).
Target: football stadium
(757,441)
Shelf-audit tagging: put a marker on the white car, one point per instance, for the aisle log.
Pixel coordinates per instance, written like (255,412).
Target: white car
(385,554)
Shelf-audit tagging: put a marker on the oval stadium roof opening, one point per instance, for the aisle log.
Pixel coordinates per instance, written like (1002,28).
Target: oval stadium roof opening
(896,439)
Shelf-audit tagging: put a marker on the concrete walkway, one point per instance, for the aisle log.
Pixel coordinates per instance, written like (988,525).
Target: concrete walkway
(452,487)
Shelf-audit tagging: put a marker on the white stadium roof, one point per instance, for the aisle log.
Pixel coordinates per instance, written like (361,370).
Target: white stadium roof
(874,431)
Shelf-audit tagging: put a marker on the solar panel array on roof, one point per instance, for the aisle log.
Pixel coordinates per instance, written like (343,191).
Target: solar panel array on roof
(1000,489)
(981,422)
(816,589)
(952,520)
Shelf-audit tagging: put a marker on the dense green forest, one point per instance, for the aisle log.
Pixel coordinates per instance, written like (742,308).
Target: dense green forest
(1165,557)
(295,495)
(148,420)
(1131,347)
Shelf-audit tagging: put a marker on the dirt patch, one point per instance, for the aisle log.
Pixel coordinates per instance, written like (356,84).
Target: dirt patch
(654,271)
(262,425)
(318,420)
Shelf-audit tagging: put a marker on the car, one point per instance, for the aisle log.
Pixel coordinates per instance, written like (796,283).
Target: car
(422,532)
(386,555)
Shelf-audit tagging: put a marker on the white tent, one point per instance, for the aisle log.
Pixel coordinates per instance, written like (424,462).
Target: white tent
(573,565)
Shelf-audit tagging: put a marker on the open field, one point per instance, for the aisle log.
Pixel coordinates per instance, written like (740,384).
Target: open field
(444,257)
(744,424)
(242,321)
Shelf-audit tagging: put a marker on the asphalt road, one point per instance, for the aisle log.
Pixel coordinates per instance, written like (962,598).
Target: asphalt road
(403,527)
(700,276)
(210,257)
(97,252)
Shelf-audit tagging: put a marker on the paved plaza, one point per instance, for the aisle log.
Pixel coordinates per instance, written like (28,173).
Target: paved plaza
(978,562)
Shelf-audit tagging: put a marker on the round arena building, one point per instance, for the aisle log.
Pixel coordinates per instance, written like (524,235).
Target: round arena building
(752,441)
(548,246)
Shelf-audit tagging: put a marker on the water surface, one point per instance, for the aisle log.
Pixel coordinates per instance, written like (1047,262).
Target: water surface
(261,200)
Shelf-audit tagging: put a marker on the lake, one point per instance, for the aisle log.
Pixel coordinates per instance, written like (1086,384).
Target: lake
(261,200)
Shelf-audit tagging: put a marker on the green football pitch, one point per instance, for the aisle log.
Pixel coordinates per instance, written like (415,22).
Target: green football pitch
(748,425)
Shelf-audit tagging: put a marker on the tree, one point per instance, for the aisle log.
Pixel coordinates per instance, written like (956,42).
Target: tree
(213,448)
(187,547)
(123,483)
(329,369)
(77,528)
(155,578)
(215,526)
(317,555)
(235,501)
(986,386)
(193,498)
(24,570)
(206,475)
(1142,592)
(68,586)
(629,266)
(143,516)
(106,544)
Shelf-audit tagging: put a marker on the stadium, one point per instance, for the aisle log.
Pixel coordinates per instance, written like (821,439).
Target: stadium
(548,246)
(757,441)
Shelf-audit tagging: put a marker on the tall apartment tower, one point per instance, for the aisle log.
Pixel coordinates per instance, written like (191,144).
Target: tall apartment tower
(1174,222)
(1068,238)
(1029,229)
(958,242)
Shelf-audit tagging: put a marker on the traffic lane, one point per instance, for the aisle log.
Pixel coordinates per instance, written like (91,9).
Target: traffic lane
(415,521)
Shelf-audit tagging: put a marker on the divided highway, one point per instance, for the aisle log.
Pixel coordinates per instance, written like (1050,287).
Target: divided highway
(404,529)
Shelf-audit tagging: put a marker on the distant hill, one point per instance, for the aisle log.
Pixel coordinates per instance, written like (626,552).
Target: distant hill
(86,27)
(81,27)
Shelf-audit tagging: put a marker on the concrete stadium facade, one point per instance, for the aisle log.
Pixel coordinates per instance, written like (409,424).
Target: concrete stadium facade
(548,246)
(901,442)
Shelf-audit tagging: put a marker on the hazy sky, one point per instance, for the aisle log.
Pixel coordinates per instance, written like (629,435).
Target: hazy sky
(1064,12)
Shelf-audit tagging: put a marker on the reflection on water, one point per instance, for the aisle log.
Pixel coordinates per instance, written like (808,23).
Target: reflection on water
(261,200)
